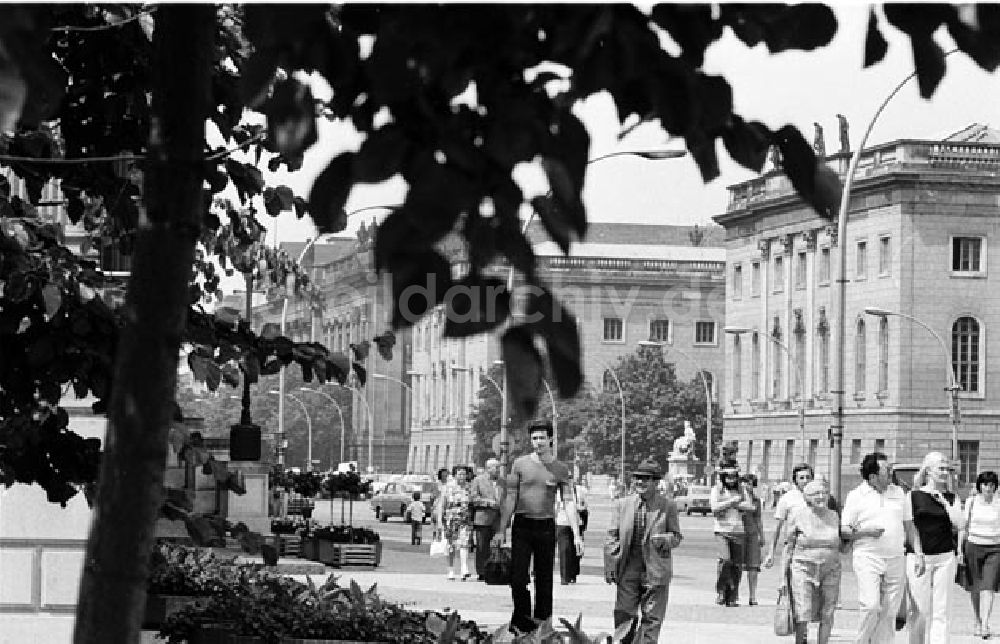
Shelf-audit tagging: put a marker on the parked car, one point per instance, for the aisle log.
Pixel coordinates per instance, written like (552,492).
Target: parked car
(694,499)
(392,500)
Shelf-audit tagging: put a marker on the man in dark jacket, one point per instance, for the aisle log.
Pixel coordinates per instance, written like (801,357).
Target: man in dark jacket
(638,556)
(485,493)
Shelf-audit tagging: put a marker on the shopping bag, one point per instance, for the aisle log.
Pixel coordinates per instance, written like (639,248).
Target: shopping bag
(962,576)
(784,620)
(497,572)
(439,547)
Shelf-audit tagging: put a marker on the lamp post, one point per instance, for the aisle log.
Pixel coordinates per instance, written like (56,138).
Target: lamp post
(708,393)
(796,360)
(312,336)
(839,390)
(649,155)
(621,398)
(382,376)
(340,414)
(309,426)
(368,413)
(552,401)
(952,388)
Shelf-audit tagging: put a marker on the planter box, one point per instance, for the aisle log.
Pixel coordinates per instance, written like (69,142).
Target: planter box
(349,554)
(160,607)
(287,545)
(309,549)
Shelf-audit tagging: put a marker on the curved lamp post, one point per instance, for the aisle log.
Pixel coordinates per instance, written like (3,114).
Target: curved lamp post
(368,412)
(738,330)
(340,414)
(309,425)
(382,376)
(621,398)
(708,393)
(312,338)
(839,387)
(952,388)
(649,155)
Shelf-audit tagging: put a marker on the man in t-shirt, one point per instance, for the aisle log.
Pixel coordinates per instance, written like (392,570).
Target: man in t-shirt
(789,503)
(531,498)
(729,499)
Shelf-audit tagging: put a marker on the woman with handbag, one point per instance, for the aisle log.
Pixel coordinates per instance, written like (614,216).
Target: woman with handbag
(979,549)
(455,520)
(930,569)
(814,564)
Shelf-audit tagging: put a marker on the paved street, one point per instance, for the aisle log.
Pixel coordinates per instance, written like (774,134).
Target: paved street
(408,575)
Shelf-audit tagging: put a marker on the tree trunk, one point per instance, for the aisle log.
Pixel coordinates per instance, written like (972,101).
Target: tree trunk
(113,587)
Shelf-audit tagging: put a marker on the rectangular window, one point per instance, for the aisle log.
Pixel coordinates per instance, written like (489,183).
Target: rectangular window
(789,458)
(755,279)
(659,330)
(765,459)
(755,367)
(800,270)
(884,255)
(968,255)
(880,445)
(861,265)
(737,369)
(823,386)
(968,459)
(749,454)
(855,450)
(704,332)
(613,330)
(824,265)
(813,448)
(779,274)
(737,282)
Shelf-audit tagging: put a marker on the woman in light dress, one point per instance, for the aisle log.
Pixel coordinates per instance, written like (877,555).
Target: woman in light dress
(455,520)
(979,549)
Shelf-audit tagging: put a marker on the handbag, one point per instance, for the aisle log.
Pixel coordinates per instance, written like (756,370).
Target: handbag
(497,570)
(784,615)
(963,574)
(439,547)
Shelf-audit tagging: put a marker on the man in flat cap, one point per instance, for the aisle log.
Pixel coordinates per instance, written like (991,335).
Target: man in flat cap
(637,556)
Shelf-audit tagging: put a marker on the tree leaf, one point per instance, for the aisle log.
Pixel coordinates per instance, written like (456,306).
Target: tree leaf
(747,143)
(524,371)
(420,281)
(475,305)
(558,327)
(329,194)
(876,45)
(816,183)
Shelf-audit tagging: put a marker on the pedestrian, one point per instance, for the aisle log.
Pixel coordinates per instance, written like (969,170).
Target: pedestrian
(531,494)
(582,504)
(874,519)
(728,500)
(979,548)
(569,561)
(936,514)
(789,502)
(442,478)
(643,532)
(455,521)
(814,563)
(416,512)
(753,531)
(485,493)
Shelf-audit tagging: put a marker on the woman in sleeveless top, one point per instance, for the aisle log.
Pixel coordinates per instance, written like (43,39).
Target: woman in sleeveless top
(814,565)
(979,548)
(753,530)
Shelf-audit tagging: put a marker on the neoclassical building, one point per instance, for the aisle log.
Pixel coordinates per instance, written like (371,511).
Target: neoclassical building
(922,217)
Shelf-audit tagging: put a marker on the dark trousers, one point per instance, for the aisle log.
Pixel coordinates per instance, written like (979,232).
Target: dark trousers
(569,563)
(415,532)
(730,565)
(531,538)
(482,534)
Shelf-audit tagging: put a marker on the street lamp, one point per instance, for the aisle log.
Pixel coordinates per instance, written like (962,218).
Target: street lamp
(382,376)
(621,397)
(340,414)
(738,330)
(708,394)
(839,387)
(312,337)
(952,387)
(649,155)
(368,411)
(309,425)
(552,401)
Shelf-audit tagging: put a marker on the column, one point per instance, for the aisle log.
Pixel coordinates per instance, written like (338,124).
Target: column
(788,243)
(765,293)
(808,360)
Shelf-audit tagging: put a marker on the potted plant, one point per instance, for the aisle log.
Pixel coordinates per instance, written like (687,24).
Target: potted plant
(180,575)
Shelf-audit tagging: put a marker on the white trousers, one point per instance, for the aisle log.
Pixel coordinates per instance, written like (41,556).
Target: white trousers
(930,595)
(881,581)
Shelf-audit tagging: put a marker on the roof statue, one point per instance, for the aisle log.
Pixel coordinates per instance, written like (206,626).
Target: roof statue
(819,147)
(774,154)
(684,444)
(366,236)
(845,137)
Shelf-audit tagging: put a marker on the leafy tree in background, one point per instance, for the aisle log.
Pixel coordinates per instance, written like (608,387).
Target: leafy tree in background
(91,88)
(656,406)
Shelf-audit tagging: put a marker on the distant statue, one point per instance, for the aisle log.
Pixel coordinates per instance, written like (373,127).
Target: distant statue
(363,236)
(819,147)
(845,137)
(774,153)
(683,445)
(696,235)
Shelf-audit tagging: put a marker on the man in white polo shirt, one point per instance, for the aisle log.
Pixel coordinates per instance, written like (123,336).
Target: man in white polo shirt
(874,518)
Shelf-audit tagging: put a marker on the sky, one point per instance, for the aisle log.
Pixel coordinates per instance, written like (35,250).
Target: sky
(793,87)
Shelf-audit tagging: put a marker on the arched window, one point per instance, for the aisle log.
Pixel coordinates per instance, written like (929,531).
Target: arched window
(608,381)
(737,368)
(755,367)
(859,357)
(883,355)
(965,357)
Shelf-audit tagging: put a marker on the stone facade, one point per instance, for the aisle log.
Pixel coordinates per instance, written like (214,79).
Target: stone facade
(922,218)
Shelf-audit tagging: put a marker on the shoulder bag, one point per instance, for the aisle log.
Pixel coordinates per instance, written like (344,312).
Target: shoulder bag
(784,613)
(963,574)
(497,572)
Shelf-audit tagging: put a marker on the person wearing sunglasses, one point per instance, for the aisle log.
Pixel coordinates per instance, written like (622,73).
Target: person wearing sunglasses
(643,532)
(729,499)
